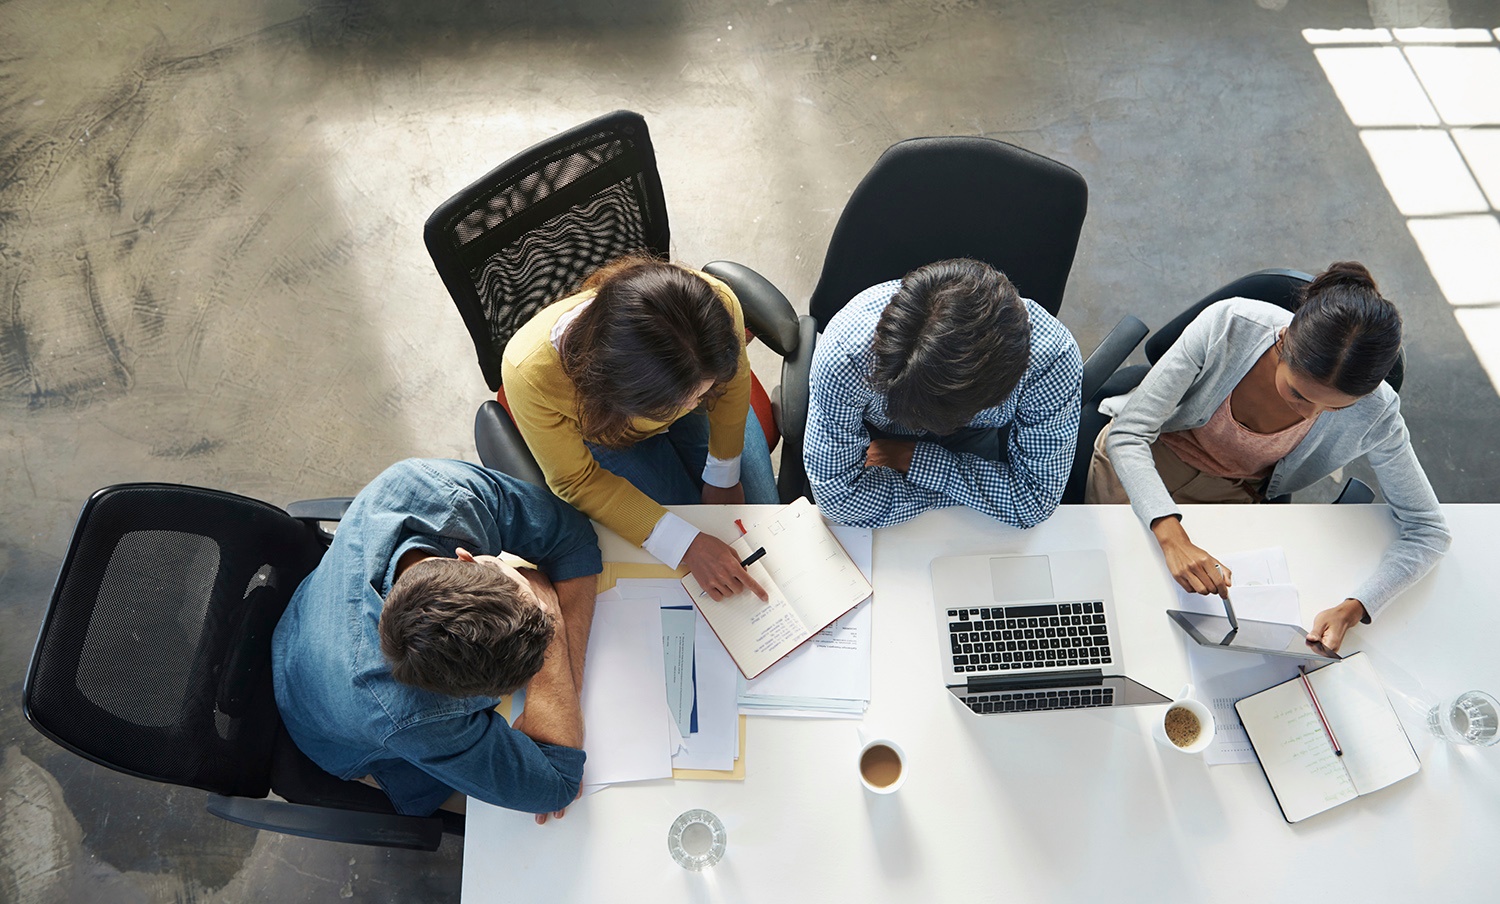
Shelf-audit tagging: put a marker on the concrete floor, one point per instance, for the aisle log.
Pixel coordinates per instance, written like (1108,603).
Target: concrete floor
(210,222)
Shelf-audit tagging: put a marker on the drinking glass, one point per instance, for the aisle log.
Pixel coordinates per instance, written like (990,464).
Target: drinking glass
(1472,717)
(696,840)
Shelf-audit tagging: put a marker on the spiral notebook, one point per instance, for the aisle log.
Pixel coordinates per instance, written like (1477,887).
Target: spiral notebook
(1296,753)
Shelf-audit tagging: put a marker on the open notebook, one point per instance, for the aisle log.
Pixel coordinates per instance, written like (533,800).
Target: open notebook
(1306,776)
(809,579)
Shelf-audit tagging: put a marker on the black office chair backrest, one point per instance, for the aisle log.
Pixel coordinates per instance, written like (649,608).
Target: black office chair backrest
(930,199)
(1280,287)
(154,656)
(528,233)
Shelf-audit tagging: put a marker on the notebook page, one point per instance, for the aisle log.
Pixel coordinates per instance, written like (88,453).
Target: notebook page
(805,560)
(1376,750)
(1306,775)
(755,633)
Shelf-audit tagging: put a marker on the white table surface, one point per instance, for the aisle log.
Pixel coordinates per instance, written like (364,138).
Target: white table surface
(1068,806)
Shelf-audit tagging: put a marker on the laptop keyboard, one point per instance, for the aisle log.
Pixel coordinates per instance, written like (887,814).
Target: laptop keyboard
(1020,638)
(1025,701)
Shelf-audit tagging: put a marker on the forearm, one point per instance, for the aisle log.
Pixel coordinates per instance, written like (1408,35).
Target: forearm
(576,599)
(553,715)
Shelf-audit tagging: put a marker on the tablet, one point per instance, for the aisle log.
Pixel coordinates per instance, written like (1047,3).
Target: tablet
(1270,638)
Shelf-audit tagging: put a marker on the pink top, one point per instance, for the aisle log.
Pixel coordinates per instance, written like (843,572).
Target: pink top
(1224,447)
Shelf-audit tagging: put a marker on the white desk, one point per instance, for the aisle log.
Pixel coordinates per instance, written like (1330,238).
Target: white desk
(1071,806)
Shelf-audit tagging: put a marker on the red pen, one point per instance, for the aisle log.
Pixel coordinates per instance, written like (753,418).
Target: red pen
(1318,708)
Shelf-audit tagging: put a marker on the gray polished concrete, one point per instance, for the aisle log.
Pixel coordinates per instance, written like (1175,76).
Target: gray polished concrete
(210,223)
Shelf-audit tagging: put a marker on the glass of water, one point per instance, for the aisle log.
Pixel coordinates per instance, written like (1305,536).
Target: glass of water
(1472,717)
(696,840)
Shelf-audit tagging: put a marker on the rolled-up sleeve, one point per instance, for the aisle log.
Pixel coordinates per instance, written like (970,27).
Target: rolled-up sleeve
(482,756)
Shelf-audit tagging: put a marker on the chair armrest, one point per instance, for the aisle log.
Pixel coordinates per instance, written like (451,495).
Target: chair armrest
(501,447)
(331,508)
(1355,492)
(416,833)
(767,312)
(1111,353)
(796,381)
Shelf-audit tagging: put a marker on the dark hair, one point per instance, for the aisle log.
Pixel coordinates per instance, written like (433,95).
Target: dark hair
(653,334)
(954,339)
(1344,335)
(462,629)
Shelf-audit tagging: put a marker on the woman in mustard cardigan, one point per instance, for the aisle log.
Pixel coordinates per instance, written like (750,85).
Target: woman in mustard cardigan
(634,394)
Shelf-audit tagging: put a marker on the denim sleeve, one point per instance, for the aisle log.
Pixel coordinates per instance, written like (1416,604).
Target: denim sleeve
(520,518)
(480,755)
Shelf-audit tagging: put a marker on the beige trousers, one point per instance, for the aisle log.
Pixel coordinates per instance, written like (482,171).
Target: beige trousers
(1186,483)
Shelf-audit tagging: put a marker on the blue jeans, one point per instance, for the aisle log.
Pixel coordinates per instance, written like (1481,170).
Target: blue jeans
(668,467)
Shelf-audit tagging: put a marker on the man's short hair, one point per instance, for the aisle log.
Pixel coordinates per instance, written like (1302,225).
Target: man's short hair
(462,629)
(954,340)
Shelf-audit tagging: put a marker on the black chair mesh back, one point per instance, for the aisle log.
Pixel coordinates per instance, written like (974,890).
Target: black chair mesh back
(154,657)
(930,199)
(532,230)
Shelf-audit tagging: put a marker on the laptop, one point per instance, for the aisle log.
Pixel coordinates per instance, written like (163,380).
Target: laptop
(1023,633)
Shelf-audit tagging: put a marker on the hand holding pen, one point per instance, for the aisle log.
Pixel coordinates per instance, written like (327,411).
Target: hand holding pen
(718,568)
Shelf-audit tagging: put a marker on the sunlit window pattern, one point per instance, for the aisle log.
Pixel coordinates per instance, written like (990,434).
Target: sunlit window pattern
(1427,104)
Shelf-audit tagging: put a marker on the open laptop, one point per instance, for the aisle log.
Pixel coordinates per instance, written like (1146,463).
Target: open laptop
(1022,633)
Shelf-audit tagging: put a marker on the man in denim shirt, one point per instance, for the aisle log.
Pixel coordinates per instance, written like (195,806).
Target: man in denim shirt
(393,653)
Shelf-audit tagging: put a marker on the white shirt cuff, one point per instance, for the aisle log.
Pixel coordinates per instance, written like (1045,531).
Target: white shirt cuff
(723,472)
(670,539)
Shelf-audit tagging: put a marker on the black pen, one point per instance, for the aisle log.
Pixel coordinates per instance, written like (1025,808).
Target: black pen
(752,558)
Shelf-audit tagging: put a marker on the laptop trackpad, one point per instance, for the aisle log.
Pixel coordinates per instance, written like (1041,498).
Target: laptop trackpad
(1016,578)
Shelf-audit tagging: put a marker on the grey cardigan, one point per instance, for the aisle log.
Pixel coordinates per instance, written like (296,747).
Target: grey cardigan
(1185,387)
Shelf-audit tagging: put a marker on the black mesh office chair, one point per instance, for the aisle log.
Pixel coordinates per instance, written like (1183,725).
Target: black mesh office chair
(1280,287)
(154,659)
(529,232)
(930,199)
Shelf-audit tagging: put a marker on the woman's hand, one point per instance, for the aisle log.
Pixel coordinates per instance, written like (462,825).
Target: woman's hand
(713,495)
(717,567)
(1192,568)
(1331,624)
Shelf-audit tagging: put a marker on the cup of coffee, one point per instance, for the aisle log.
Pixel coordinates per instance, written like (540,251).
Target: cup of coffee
(882,766)
(1187,725)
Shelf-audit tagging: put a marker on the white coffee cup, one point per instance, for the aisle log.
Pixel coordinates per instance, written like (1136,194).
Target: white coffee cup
(1204,715)
(879,771)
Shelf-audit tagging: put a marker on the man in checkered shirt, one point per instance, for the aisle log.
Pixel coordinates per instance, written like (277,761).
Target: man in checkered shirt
(942,388)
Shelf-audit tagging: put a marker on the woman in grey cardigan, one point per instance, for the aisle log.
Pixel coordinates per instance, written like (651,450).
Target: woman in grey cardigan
(1253,401)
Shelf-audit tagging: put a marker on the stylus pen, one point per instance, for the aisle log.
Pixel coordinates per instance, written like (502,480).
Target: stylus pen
(1234,623)
(752,558)
(1318,707)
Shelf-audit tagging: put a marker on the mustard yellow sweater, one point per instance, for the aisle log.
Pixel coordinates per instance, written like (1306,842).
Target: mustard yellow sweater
(543,402)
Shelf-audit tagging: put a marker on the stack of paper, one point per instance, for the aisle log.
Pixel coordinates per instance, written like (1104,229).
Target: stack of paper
(829,675)
(697,674)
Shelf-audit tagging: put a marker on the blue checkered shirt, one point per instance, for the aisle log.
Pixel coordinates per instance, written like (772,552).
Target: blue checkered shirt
(1042,413)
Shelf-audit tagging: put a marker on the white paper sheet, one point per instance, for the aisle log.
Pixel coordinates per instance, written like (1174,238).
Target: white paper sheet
(1262,590)
(624,699)
(716,743)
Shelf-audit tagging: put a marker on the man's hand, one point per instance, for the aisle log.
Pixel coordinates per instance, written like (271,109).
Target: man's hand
(1192,568)
(890,453)
(713,495)
(717,567)
(1330,625)
(541,818)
